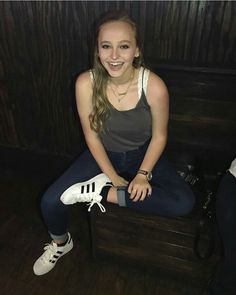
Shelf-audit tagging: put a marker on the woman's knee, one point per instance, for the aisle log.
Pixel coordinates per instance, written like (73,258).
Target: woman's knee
(50,200)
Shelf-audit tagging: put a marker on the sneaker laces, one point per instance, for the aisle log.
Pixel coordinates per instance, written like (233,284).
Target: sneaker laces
(49,252)
(101,207)
(91,199)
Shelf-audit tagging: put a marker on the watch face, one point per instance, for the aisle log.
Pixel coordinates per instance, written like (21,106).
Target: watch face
(149,176)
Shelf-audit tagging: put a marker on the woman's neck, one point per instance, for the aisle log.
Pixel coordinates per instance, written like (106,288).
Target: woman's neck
(124,79)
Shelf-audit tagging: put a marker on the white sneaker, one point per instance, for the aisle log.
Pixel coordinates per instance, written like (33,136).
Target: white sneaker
(49,258)
(88,191)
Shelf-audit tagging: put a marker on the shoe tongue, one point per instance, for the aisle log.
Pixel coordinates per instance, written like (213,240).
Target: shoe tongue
(54,244)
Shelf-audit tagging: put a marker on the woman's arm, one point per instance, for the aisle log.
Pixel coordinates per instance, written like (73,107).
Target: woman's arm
(83,90)
(158,99)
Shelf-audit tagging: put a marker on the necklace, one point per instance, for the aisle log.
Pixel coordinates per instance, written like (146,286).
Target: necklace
(122,94)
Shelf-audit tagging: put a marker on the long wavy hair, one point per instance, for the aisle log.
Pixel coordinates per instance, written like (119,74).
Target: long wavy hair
(100,103)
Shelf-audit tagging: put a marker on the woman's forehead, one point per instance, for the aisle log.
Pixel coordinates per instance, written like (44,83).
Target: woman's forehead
(116,29)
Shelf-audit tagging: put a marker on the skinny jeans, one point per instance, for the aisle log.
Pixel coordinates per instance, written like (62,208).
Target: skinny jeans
(171,196)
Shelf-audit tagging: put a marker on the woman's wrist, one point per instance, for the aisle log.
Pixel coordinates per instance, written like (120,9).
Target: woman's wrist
(145,173)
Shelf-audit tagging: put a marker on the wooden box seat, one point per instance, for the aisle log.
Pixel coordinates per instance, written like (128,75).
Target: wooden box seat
(150,241)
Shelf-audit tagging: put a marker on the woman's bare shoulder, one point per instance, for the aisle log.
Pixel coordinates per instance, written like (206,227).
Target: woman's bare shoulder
(84,80)
(156,88)
(155,80)
(83,86)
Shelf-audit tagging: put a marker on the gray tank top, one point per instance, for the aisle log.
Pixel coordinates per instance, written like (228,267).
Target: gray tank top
(128,130)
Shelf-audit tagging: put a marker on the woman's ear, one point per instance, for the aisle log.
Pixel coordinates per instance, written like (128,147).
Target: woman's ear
(137,52)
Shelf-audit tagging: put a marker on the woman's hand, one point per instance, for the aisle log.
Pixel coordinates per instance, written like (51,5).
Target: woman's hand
(119,181)
(139,188)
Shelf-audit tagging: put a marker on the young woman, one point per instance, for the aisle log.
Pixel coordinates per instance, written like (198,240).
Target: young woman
(123,108)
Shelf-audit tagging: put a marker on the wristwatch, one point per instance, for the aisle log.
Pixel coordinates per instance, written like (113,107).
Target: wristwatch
(147,173)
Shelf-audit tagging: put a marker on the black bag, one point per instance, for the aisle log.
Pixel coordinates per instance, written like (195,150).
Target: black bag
(205,211)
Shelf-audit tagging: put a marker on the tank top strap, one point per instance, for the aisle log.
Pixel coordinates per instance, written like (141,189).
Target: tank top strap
(91,74)
(143,81)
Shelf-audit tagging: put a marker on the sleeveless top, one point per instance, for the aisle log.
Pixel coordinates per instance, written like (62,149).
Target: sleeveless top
(129,129)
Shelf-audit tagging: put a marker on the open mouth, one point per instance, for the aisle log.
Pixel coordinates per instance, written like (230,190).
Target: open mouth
(115,65)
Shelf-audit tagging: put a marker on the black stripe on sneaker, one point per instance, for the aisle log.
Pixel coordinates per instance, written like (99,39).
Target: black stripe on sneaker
(82,189)
(87,188)
(93,187)
(55,256)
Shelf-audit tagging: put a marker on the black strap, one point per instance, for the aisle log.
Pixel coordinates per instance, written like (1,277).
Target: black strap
(205,224)
(203,248)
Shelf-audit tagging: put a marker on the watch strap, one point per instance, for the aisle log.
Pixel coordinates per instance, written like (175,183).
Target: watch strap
(144,172)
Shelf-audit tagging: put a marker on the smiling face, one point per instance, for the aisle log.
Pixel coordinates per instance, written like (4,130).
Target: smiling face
(117,48)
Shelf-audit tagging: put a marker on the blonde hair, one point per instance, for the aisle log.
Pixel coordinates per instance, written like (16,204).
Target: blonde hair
(100,103)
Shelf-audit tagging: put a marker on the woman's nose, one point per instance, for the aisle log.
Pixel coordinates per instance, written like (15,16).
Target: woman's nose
(114,53)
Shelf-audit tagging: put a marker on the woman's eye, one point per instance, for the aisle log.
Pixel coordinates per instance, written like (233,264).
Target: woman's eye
(125,46)
(105,46)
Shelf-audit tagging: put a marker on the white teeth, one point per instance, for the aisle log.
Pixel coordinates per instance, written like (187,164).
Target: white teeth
(116,63)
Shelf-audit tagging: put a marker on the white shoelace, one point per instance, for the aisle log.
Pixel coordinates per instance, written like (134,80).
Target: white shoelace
(91,199)
(50,250)
(102,208)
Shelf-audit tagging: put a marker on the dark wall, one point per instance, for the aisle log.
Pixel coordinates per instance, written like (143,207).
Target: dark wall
(44,45)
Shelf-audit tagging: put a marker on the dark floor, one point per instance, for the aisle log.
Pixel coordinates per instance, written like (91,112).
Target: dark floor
(23,179)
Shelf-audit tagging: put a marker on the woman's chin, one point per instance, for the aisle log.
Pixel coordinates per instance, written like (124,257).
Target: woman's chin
(115,71)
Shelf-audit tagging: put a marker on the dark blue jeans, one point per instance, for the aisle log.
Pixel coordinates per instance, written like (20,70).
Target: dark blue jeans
(225,280)
(171,196)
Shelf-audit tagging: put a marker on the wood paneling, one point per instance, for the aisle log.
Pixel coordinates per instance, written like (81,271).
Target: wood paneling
(198,32)
(202,113)
(45,44)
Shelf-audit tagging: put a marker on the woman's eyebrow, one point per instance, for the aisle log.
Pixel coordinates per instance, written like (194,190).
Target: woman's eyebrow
(122,41)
